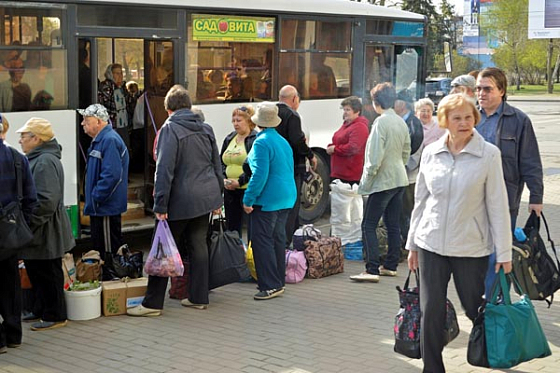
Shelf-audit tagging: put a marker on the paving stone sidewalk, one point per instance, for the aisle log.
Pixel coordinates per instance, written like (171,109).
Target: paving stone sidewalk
(325,325)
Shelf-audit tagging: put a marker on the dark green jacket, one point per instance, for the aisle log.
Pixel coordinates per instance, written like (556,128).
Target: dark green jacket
(50,223)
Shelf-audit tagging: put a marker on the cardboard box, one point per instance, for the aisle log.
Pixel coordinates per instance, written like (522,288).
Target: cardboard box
(120,295)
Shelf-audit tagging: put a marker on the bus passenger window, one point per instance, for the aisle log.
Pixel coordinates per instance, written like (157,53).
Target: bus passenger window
(32,61)
(324,69)
(238,65)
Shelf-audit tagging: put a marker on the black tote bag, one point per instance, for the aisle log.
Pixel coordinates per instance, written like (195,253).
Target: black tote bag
(226,257)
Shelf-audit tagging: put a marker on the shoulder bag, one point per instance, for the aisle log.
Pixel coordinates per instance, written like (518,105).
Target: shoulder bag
(14,230)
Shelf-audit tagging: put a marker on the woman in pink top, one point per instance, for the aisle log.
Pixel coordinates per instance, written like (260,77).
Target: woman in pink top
(424,109)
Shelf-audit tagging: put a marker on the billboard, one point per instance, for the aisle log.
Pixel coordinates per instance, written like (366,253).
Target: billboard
(544,19)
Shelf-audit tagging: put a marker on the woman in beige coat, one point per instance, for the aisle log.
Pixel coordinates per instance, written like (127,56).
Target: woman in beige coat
(460,217)
(383,179)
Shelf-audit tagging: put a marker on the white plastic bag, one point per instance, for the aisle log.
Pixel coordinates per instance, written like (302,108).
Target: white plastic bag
(347,211)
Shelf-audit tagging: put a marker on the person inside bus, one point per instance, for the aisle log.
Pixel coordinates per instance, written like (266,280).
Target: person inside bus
(114,96)
(84,74)
(383,180)
(234,152)
(216,77)
(49,222)
(204,89)
(106,180)
(349,143)
(235,90)
(188,187)
(326,79)
(15,95)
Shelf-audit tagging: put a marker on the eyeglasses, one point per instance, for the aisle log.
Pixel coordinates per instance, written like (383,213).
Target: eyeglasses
(26,135)
(485,89)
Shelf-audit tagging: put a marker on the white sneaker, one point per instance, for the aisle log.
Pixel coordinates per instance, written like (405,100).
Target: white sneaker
(187,303)
(387,272)
(143,311)
(365,277)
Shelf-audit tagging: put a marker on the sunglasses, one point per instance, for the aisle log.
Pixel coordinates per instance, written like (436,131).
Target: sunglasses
(485,89)
(242,108)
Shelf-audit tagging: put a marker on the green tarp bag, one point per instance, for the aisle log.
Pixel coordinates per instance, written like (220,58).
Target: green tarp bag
(513,332)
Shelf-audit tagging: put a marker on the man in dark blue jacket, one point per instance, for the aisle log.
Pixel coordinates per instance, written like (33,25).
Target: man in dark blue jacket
(10,290)
(106,179)
(511,130)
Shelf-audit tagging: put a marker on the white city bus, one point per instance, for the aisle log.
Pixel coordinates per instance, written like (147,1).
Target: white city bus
(228,53)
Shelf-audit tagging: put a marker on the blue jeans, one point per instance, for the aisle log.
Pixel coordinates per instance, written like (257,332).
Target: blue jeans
(268,240)
(388,204)
(491,273)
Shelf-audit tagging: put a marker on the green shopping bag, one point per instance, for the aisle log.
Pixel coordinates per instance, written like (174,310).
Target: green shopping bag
(513,332)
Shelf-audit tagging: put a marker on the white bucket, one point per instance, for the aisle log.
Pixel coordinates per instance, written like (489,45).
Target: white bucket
(83,305)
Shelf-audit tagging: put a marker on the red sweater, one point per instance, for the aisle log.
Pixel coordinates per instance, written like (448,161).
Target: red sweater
(347,161)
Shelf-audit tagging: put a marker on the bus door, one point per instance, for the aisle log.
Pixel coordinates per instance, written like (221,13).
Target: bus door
(396,64)
(379,68)
(130,77)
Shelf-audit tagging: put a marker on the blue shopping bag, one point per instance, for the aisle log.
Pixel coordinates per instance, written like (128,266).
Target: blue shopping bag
(513,332)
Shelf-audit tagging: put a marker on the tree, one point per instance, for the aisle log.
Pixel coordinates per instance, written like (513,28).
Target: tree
(507,20)
(461,64)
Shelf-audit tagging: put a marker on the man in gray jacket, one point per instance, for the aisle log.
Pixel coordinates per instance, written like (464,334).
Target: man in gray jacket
(50,224)
(188,186)
(511,131)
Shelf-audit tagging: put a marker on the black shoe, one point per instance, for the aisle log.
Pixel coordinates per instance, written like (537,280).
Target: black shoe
(268,294)
(29,317)
(47,325)
(14,345)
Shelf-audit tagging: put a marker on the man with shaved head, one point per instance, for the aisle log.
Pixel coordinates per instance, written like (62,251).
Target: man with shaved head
(290,129)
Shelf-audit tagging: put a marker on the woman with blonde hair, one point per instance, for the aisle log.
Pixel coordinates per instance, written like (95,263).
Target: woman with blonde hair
(234,152)
(460,217)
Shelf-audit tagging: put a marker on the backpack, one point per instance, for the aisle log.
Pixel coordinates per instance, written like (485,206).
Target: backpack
(306,232)
(534,268)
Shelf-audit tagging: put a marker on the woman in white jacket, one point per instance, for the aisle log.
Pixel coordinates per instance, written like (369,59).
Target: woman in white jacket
(460,217)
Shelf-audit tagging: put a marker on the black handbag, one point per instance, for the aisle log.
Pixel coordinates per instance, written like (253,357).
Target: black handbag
(14,230)
(476,351)
(226,257)
(407,321)
(125,263)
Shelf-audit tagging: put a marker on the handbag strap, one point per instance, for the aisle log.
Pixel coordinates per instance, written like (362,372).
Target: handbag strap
(407,281)
(550,240)
(147,102)
(19,178)
(501,287)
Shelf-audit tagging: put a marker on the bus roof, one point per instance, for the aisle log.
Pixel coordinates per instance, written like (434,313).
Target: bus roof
(334,7)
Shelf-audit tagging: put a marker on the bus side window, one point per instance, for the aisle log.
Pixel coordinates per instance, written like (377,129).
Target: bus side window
(33,71)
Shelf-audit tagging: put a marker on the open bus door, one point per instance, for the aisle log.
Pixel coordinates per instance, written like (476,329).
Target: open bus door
(148,72)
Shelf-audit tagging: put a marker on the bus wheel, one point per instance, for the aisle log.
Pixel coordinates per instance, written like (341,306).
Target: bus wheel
(315,192)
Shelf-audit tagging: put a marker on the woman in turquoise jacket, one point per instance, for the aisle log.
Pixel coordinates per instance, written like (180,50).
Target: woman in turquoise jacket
(270,195)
